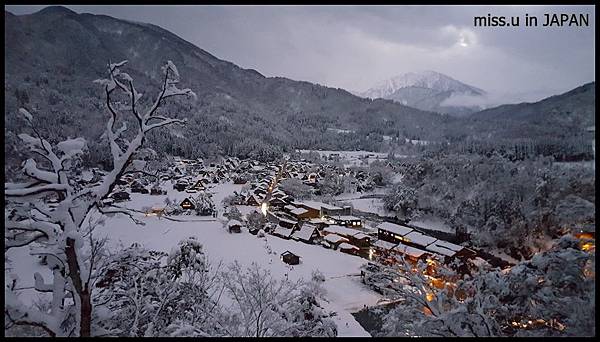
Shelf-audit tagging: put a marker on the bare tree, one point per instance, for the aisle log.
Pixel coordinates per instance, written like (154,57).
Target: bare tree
(57,229)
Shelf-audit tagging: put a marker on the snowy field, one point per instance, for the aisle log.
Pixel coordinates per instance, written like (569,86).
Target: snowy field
(371,205)
(344,291)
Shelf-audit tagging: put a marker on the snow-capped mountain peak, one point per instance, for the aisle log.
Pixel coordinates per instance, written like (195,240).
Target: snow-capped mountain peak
(422,79)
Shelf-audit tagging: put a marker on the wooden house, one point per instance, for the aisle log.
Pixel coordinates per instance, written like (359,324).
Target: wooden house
(276,202)
(253,200)
(333,240)
(187,204)
(282,232)
(346,221)
(348,248)
(307,233)
(392,232)
(290,258)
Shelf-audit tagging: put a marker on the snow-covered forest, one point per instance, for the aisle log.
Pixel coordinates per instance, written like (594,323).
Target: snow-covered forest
(133,225)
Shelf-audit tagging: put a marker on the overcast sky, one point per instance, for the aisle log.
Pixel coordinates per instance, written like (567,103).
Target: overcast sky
(354,47)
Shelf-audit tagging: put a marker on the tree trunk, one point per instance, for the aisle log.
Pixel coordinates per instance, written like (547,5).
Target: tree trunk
(86,314)
(82,291)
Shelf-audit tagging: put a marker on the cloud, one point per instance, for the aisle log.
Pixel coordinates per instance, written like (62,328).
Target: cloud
(496,98)
(355,47)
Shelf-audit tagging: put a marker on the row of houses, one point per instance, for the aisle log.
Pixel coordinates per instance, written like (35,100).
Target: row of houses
(396,240)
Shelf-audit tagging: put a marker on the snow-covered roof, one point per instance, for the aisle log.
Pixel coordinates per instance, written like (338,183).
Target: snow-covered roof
(440,250)
(395,228)
(319,205)
(335,229)
(360,236)
(305,232)
(345,245)
(408,250)
(419,238)
(346,217)
(384,244)
(334,238)
(234,223)
(298,211)
(279,230)
(448,245)
(317,220)
(283,219)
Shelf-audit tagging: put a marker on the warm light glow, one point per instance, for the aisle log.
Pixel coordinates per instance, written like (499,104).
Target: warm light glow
(588,246)
(429,297)
(584,236)
(264,208)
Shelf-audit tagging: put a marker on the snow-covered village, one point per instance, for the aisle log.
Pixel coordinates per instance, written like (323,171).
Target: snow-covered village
(163,213)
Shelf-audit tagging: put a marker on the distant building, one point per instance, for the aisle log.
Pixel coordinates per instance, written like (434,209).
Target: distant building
(290,258)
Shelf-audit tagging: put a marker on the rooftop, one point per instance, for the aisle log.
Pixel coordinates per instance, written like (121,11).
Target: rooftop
(408,250)
(419,238)
(345,245)
(395,228)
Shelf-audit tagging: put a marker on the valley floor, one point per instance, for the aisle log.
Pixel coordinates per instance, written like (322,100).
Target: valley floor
(344,291)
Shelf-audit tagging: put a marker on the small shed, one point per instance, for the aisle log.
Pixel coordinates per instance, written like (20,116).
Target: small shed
(290,258)
(234,226)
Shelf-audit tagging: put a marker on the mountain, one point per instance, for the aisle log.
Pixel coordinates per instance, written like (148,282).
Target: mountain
(427,90)
(557,117)
(52,57)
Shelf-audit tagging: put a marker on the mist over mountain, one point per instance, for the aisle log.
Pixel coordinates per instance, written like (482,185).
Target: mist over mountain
(428,90)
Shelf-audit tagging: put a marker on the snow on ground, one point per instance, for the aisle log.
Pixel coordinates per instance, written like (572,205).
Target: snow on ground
(344,291)
(432,223)
(377,191)
(371,205)
(24,265)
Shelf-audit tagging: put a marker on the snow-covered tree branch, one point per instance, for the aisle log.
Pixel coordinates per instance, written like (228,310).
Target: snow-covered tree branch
(57,229)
